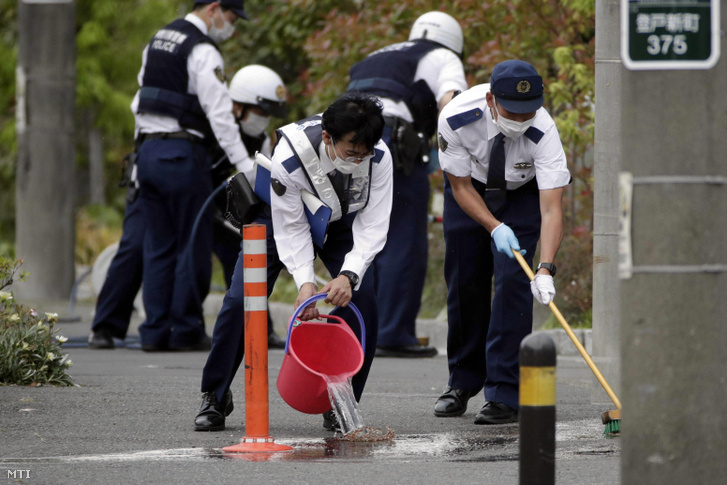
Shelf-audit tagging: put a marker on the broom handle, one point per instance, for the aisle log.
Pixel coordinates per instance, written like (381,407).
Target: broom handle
(572,336)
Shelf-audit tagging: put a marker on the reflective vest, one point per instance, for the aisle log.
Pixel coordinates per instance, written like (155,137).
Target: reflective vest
(351,195)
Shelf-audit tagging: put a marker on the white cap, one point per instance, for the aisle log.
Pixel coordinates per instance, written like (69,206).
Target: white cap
(438,27)
(261,86)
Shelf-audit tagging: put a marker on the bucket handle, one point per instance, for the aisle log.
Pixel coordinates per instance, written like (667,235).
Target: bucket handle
(316,298)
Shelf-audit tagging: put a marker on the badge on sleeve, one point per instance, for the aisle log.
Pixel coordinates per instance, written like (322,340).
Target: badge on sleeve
(278,187)
(220,74)
(442,142)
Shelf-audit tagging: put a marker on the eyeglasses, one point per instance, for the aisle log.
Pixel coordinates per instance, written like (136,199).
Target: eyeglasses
(354,159)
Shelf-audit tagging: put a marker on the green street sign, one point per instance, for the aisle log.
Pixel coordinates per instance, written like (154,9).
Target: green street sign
(669,34)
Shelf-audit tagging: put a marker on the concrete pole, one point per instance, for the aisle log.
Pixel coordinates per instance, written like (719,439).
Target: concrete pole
(607,159)
(674,340)
(45,232)
(95,162)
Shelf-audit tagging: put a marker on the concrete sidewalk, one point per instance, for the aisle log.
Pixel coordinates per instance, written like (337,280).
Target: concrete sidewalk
(130,421)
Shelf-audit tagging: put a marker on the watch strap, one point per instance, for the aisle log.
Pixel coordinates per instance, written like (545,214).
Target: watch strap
(352,277)
(549,266)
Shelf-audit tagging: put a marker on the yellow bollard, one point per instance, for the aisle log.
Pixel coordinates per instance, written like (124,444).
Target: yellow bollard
(537,410)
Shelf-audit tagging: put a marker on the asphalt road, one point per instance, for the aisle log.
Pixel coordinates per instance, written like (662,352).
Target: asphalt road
(130,420)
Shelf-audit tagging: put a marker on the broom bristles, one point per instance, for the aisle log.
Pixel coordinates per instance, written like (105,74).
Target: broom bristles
(612,428)
(612,420)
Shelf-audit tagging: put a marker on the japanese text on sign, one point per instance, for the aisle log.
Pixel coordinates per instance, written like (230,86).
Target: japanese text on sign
(670,34)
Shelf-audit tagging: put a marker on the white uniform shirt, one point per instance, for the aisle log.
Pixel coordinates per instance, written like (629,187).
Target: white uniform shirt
(213,97)
(291,228)
(442,70)
(465,151)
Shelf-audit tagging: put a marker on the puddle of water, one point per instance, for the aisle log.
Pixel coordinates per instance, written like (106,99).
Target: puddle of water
(446,447)
(377,445)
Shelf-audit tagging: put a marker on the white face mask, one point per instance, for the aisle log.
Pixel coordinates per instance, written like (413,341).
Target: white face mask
(255,124)
(345,167)
(347,164)
(510,128)
(221,34)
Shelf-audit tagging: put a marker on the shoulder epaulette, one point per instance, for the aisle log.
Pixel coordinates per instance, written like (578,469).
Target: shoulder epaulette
(291,164)
(534,134)
(462,119)
(378,155)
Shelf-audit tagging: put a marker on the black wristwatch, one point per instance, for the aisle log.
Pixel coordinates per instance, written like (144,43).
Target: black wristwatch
(549,266)
(352,277)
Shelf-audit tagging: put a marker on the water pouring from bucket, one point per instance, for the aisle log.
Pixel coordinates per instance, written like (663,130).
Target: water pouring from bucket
(320,360)
(340,393)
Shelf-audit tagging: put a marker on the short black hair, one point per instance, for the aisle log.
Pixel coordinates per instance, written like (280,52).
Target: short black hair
(356,112)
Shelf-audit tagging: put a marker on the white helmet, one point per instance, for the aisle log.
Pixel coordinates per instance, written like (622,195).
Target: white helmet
(438,27)
(261,86)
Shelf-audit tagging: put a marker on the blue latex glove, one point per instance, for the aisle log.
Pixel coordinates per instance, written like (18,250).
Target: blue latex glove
(505,239)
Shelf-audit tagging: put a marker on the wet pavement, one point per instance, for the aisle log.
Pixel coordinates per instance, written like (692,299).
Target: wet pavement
(130,420)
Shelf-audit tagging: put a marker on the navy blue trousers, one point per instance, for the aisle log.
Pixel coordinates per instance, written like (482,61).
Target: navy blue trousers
(175,181)
(115,301)
(226,246)
(484,334)
(401,267)
(228,338)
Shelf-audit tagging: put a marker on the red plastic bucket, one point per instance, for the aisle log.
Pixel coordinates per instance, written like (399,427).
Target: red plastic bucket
(313,351)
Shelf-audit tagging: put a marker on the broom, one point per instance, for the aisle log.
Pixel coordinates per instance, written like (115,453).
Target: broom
(612,418)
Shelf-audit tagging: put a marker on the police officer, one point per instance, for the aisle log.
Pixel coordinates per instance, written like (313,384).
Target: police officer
(257,93)
(505,176)
(339,157)
(182,111)
(414,80)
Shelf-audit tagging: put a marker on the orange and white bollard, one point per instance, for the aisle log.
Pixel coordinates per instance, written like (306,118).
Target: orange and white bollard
(257,425)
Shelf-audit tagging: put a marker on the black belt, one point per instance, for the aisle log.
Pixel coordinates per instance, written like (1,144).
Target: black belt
(174,135)
(530,187)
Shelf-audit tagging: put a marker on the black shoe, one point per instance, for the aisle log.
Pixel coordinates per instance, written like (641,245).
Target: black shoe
(101,339)
(152,348)
(406,351)
(330,421)
(453,402)
(275,342)
(203,345)
(211,416)
(496,413)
